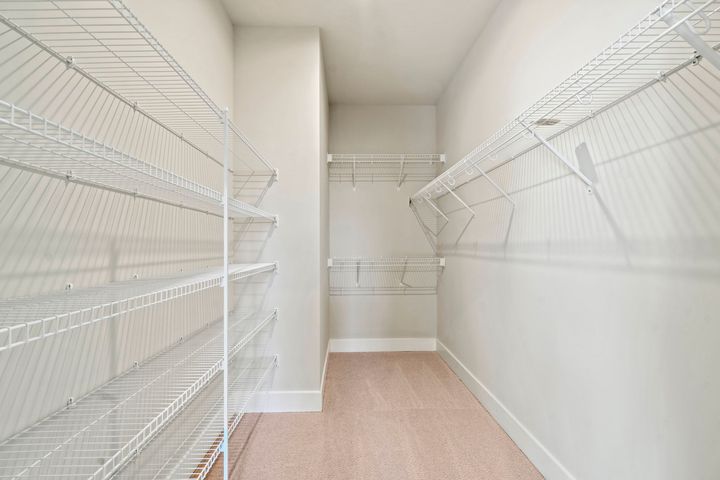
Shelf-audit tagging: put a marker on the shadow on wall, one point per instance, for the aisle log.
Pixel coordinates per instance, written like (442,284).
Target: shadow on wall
(654,207)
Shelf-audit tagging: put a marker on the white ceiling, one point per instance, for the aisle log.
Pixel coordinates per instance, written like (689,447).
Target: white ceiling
(379,51)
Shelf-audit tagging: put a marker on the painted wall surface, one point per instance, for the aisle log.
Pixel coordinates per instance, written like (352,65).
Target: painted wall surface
(54,232)
(199,35)
(374,220)
(279,99)
(591,318)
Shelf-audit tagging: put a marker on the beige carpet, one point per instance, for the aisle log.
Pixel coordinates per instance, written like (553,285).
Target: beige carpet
(391,416)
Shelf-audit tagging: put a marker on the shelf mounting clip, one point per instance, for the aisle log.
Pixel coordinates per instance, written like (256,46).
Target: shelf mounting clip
(688,33)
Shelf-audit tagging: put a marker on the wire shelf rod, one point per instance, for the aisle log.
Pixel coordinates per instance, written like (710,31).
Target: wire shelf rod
(29,319)
(384,275)
(641,57)
(118,419)
(114,51)
(190,446)
(33,142)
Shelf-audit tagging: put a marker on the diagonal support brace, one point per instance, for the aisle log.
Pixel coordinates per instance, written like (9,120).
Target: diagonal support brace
(492,182)
(557,154)
(460,200)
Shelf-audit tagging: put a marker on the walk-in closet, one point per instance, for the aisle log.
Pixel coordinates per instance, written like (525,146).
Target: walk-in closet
(359,239)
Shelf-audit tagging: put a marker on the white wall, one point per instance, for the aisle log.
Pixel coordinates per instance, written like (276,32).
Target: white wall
(375,221)
(54,232)
(280,103)
(208,56)
(593,326)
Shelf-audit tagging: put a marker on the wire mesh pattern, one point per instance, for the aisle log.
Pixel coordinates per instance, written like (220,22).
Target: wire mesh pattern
(28,319)
(385,276)
(670,38)
(95,436)
(106,43)
(387,167)
(30,141)
(189,447)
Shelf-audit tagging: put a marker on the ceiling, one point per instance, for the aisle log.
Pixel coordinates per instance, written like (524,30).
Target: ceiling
(379,51)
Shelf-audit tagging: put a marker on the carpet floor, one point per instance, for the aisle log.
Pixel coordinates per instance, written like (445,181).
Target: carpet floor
(391,416)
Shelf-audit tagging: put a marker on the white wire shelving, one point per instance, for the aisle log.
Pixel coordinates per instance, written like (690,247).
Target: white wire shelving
(191,444)
(385,275)
(397,168)
(103,41)
(29,319)
(97,435)
(675,35)
(32,142)
(89,96)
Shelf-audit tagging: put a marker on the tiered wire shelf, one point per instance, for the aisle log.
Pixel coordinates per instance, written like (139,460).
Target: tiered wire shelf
(385,276)
(674,36)
(89,96)
(97,435)
(34,143)
(29,319)
(189,447)
(396,168)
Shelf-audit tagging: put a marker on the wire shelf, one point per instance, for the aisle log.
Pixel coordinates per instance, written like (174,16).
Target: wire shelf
(385,276)
(383,167)
(95,436)
(28,319)
(103,41)
(675,35)
(33,142)
(189,447)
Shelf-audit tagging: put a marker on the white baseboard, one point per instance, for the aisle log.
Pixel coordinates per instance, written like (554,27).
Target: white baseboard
(544,461)
(279,401)
(286,401)
(382,344)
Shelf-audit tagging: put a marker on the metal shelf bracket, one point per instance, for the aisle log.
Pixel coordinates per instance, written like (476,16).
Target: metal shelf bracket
(557,153)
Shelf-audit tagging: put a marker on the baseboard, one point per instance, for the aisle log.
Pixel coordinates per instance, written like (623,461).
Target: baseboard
(540,456)
(280,401)
(420,344)
(286,401)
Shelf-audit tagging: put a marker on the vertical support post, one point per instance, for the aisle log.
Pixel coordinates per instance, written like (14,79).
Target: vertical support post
(226,287)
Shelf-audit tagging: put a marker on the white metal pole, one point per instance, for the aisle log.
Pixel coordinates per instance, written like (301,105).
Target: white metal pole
(226,288)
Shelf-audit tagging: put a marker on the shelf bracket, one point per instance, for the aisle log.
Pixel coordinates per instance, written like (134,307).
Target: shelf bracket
(492,182)
(687,32)
(435,207)
(555,152)
(402,170)
(402,278)
(460,200)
